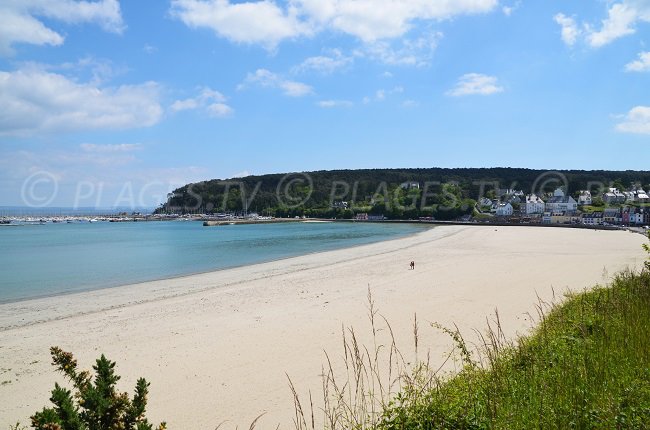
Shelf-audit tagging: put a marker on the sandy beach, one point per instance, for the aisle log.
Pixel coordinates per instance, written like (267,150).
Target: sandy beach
(217,346)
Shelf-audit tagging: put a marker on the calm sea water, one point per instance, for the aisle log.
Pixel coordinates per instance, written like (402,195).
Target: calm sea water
(41,260)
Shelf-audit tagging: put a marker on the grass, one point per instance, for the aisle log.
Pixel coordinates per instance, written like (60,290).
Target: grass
(586,366)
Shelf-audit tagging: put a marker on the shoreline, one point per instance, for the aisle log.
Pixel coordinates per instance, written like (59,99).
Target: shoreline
(186,275)
(222,352)
(150,286)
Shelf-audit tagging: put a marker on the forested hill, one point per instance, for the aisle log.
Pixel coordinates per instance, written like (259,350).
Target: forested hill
(395,193)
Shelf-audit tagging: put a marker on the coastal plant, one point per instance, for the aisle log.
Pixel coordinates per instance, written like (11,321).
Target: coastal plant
(96,404)
(585,365)
(357,392)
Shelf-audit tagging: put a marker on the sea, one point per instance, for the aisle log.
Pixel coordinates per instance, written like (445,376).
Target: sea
(41,260)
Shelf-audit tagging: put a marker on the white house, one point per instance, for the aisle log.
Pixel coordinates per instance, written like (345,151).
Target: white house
(561,203)
(641,196)
(504,209)
(584,198)
(614,196)
(534,204)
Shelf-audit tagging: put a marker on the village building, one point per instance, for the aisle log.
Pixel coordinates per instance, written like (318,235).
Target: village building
(504,209)
(612,216)
(485,202)
(640,196)
(584,198)
(561,203)
(595,218)
(534,205)
(614,196)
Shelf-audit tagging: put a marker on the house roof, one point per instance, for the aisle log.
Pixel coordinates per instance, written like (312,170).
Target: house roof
(561,199)
(534,199)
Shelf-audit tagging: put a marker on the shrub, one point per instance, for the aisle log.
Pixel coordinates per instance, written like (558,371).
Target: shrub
(96,404)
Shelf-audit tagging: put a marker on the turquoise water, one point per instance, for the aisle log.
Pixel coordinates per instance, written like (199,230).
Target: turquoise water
(50,259)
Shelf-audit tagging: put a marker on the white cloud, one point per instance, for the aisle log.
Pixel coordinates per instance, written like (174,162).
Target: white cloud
(381,94)
(372,20)
(508,10)
(262,22)
(21,19)
(408,52)
(111,148)
(99,70)
(266,79)
(34,101)
(324,64)
(220,110)
(640,65)
(570,30)
(268,23)
(475,84)
(637,120)
(622,18)
(335,103)
(209,100)
(186,104)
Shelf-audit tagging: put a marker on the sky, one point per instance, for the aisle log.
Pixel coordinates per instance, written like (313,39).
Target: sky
(110,103)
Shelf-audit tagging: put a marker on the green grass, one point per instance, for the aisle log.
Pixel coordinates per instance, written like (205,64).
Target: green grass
(591,209)
(586,366)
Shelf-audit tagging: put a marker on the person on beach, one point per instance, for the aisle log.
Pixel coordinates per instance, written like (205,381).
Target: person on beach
(412,265)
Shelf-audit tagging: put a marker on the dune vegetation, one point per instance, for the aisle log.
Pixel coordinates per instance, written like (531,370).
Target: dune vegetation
(95,404)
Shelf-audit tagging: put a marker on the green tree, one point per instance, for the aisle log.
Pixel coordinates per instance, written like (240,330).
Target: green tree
(598,202)
(95,404)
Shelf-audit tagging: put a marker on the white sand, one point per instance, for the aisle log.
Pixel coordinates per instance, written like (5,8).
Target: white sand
(216,346)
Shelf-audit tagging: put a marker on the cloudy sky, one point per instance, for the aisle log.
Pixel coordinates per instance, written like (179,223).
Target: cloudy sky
(115,102)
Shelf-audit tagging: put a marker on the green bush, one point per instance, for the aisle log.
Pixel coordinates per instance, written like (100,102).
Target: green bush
(95,404)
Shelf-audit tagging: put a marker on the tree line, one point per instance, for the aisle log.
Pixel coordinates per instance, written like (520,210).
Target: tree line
(440,193)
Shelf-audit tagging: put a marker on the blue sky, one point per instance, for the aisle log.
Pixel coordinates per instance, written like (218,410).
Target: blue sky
(111,103)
